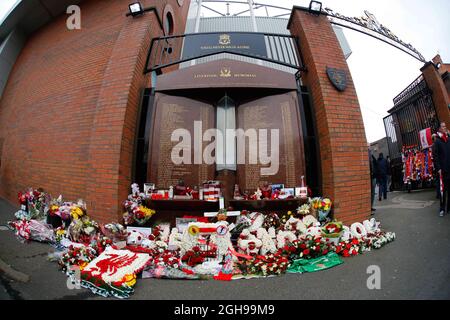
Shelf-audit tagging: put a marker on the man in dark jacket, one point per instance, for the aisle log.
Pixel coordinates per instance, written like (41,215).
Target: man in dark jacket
(441,152)
(382,176)
(373,172)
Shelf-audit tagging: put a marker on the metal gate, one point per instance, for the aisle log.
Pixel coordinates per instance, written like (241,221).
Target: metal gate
(413,111)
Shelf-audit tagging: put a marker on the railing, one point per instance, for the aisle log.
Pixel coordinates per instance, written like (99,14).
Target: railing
(413,111)
(416,86)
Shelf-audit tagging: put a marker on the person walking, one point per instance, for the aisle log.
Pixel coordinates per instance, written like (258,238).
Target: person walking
(389,175)
(435,173)
(382,176)
(441,151)
(373,181)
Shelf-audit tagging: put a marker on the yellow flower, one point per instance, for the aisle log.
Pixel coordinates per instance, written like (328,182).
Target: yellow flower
(60,232)
(129,280)
(83,265)
(147,212)
(76,213)
(54,208)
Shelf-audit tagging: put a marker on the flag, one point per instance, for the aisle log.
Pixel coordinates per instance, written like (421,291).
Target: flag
(425,138)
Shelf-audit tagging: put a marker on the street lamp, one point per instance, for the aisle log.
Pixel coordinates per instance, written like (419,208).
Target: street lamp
(136,9)
(315,7)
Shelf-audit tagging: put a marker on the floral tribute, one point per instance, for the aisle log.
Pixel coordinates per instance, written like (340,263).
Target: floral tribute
(197,256)
(109,257)
(135,210)
(113,272)
(33,203)
(272,264)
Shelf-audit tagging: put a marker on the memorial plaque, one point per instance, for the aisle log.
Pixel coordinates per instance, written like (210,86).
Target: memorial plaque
(172,113)
(273,112)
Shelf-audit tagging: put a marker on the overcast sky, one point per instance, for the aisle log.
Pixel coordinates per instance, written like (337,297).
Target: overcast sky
(379,70)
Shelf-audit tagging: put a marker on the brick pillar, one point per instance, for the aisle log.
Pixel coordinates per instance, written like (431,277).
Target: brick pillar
(341,135)
(113,132)
(439,91)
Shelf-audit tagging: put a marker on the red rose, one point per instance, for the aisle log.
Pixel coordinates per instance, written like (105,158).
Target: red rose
(324,252)
(196,249)
(302,246)
(306,252)
(355,241)
(348,245)
(345,253)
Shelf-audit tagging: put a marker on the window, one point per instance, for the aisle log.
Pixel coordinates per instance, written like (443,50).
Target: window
(226,148)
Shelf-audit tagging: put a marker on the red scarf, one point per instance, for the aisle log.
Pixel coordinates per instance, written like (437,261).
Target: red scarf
(443,136)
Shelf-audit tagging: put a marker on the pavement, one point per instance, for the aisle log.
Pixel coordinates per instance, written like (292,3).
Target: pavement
(415,266)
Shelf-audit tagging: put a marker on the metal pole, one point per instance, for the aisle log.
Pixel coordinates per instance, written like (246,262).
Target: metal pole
(252,16)
(197,22)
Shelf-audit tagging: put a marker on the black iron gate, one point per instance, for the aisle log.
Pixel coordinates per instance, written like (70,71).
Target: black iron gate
(413,111)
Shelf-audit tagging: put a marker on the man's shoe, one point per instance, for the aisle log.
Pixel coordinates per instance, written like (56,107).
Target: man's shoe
(373,209)
(441,214)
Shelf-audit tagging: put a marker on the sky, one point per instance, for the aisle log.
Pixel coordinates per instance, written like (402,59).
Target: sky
(379,71)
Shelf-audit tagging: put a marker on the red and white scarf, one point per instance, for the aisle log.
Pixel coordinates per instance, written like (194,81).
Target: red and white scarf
(443,136)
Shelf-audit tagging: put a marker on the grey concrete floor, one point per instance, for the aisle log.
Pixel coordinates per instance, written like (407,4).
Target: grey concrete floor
(415,266)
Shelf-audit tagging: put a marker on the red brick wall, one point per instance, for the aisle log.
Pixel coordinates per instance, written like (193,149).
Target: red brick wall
(440,95)
(342,140)
(69,111)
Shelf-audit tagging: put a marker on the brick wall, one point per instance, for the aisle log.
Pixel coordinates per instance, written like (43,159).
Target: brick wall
(342,140)
(439,91)
(69,111)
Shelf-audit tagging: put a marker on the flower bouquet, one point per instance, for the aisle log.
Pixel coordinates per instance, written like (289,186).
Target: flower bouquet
(196,256)
(324,209)
(114,231)
(272,264)
(33,230)
(76,257)
(33,204)
(351,247)
(83,230)
(271,220)
(378,239)
(332,231)
(136,213)
(308,246)
(304,210)
(315,205)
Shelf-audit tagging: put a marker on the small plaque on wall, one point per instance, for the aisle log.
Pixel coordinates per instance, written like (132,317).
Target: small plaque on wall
(338,78)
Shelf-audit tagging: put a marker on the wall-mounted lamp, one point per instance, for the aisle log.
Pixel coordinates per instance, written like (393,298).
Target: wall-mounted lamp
(136,9)
(315,7)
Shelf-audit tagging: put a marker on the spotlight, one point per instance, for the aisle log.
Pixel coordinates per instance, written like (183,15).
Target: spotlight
(136,9)
(315,7)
